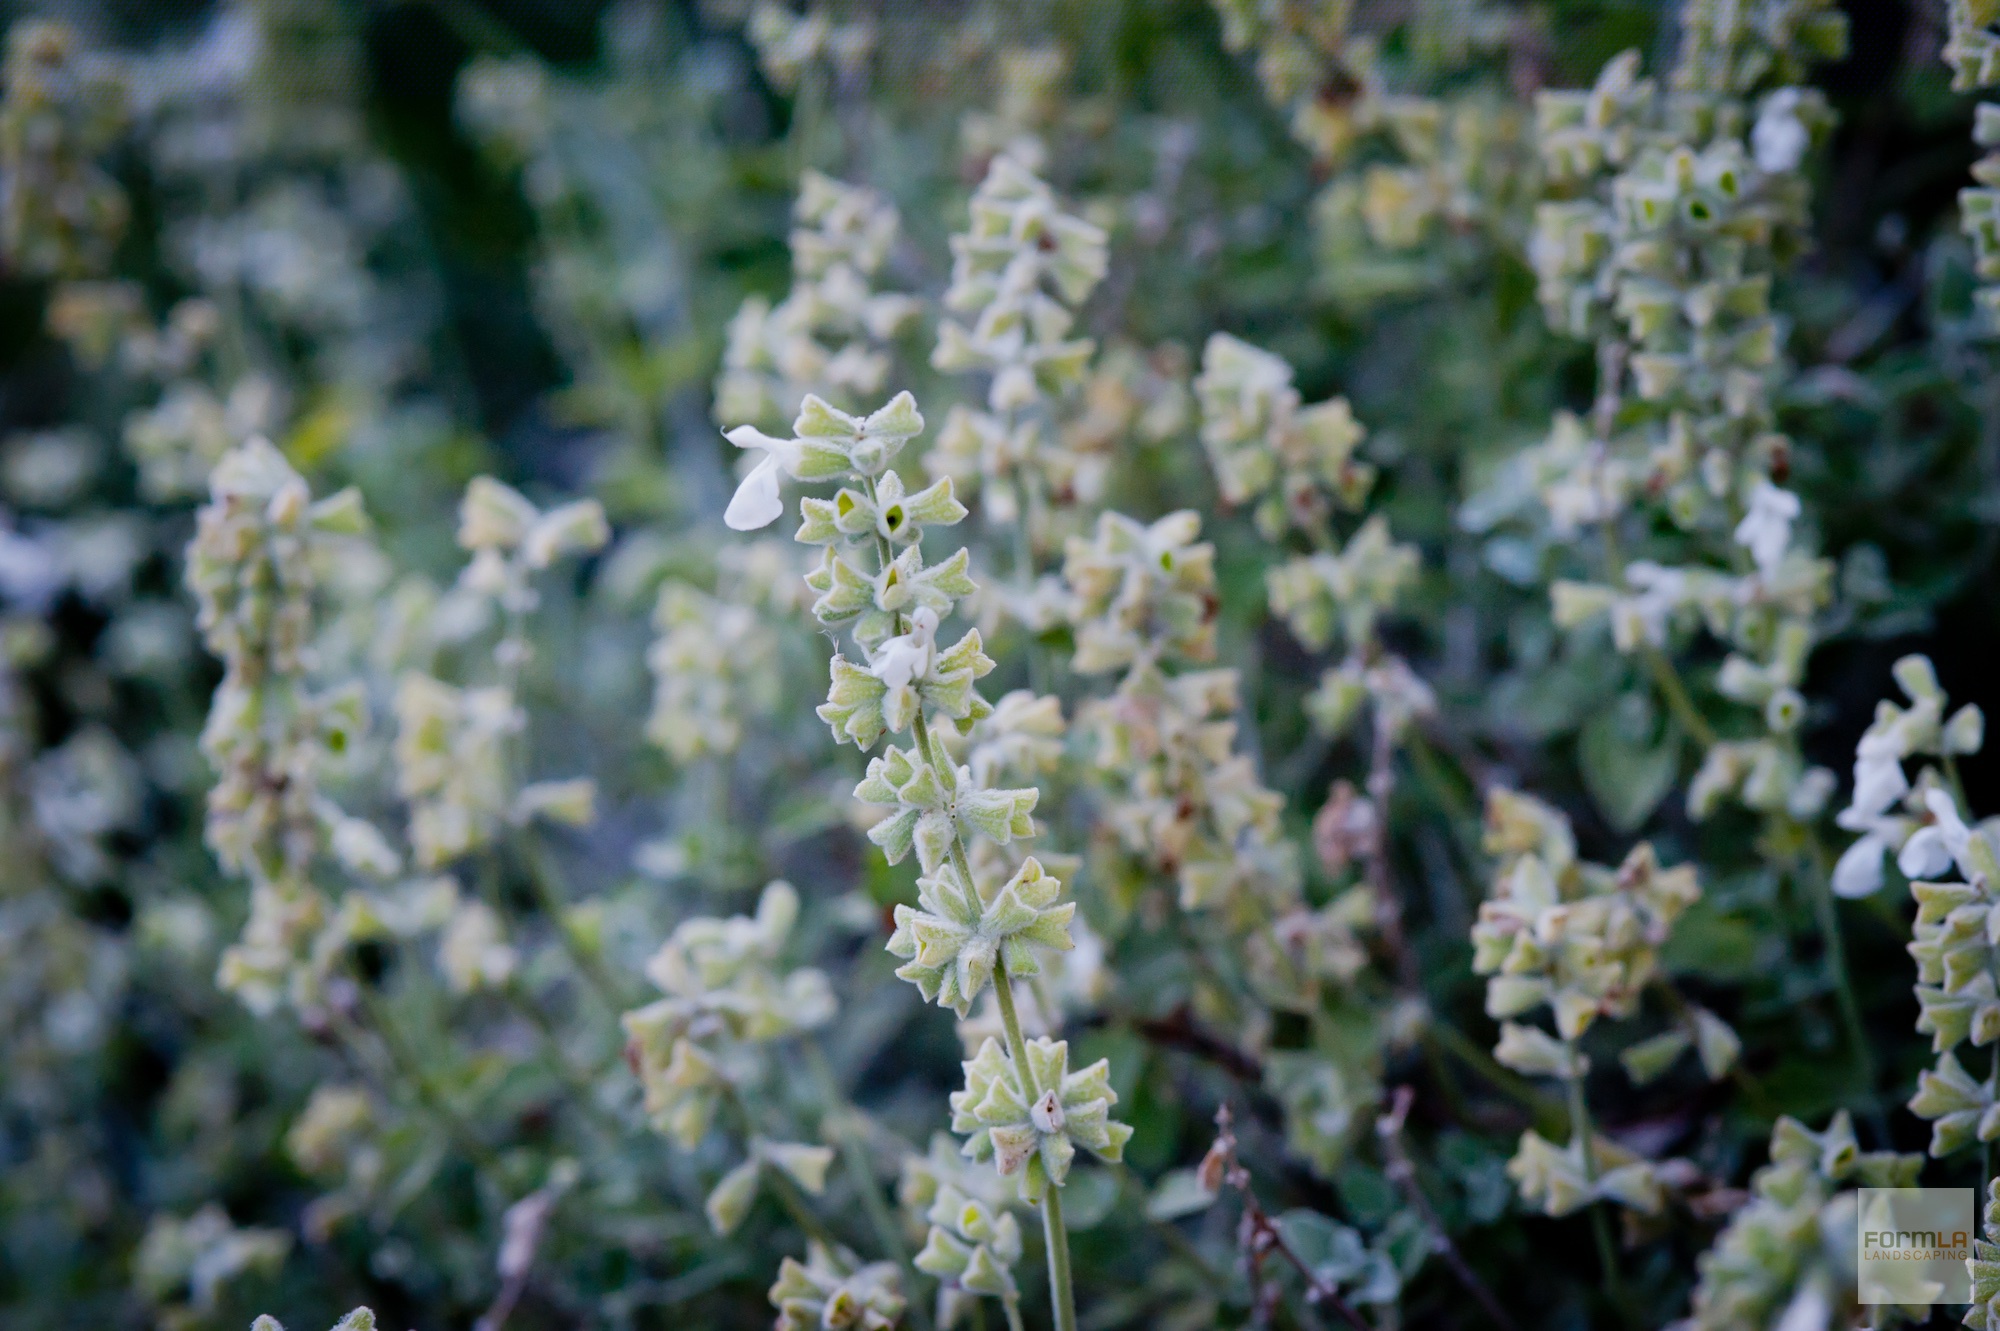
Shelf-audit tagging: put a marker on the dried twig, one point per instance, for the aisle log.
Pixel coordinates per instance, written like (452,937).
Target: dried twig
(1179,1030)
(1259,1236)
(521,1237)
(1389,1129)
(1388,906)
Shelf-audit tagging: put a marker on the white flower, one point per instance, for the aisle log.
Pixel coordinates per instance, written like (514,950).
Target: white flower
(1932,849)
(1858,873)
(1641,618)
(756,503)
(1766,530)
(902,661)
(1811,793)
(359,845)
(1878,782)
(1779,139)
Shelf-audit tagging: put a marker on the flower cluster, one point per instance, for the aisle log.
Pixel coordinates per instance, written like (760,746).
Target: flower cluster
(1299,465)
(1784,1258)
(1144,599)
(1577,937)
(712,672)
(966,931)
(1953,939)
(1019,273)
(1181,802)
(971,1242)
(836,1289)
(958,934)
(1973,52)
(1583,940)
(728,995)
(455,760)
(1670,217)
(1142,593)
(1888,810)
(184,1265)
(1413,177)
(1294,463)
(60,212)
(256,566)
(1028,1117)
(1345,590)
(789,45)
(829,335)
(727,991)
(1190,621)
(510,540)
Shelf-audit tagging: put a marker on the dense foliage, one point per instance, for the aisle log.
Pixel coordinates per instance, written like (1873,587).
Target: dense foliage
(1281,662)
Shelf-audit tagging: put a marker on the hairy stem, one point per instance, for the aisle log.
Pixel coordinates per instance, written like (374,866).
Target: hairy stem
(1055,1235)
(1062,1294)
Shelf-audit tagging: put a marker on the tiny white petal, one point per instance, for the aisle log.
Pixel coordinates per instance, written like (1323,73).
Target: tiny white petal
(749,436)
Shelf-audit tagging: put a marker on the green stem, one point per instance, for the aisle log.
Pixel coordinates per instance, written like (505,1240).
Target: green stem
(1056,1238)
(1678,702)
(795,1206)
(1600,1226)
(1011,1305)
(590,966)
(410,1069)
(1949,762)
(1062,1294)
(1836,959)
(1439,1034)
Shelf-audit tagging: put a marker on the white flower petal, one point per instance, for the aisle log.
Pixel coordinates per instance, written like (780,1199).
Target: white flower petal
(1878,784)
(757,502)
(1766,530)
(1924,854)
(786,451)
(904,660)
(1779,142)
(1859,872)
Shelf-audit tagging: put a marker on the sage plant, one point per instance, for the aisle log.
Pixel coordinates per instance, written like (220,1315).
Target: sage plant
(1022,1108)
